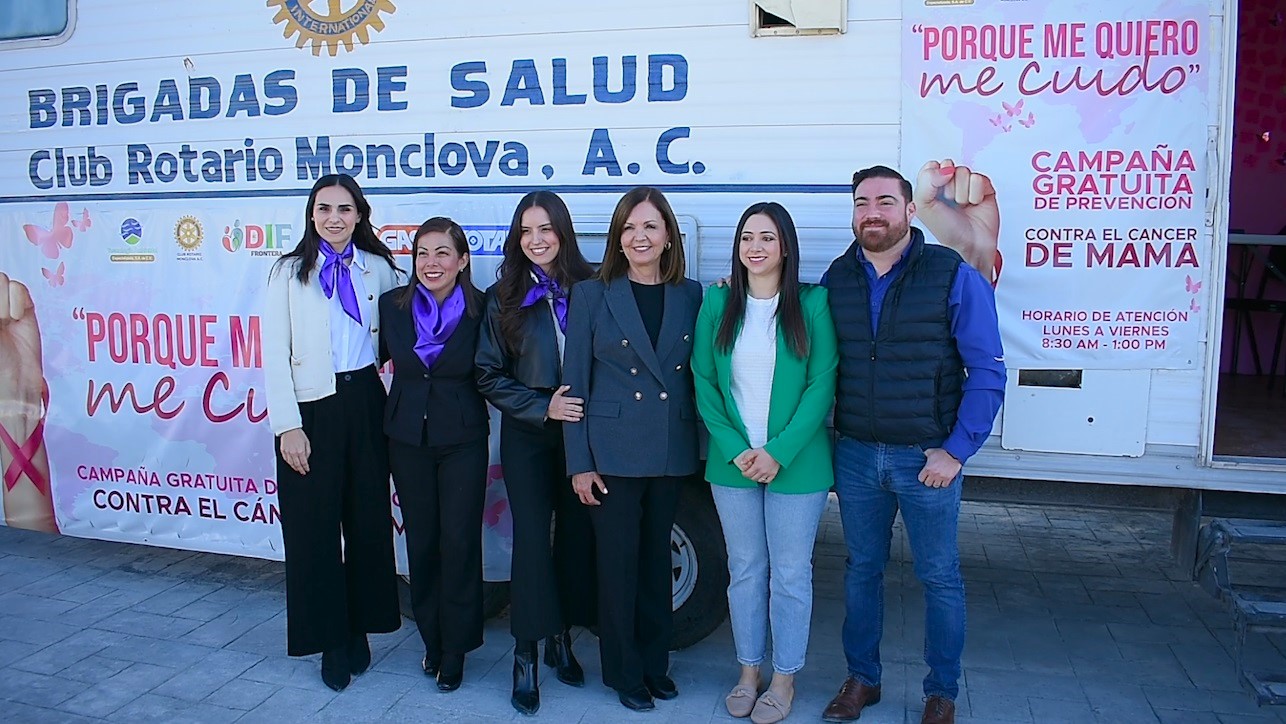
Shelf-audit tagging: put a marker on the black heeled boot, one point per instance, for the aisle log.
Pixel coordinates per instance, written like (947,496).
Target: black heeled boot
(359,654)
(526,694)
(558,654)
(450,672)
(334,668)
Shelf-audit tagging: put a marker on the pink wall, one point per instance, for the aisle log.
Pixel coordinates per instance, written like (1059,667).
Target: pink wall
(1259,162)
(1258,188)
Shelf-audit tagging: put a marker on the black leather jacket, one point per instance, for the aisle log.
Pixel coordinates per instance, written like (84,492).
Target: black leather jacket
(519,385)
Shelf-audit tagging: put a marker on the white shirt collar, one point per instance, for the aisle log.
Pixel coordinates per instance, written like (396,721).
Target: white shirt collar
(359,258)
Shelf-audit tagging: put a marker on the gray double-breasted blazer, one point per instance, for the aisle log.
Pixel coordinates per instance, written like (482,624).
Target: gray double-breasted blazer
(640,411)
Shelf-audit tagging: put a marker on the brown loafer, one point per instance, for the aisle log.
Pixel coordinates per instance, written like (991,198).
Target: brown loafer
(939,710)
(853,696)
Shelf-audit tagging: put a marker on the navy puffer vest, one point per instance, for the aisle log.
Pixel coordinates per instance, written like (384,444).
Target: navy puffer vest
(902,385)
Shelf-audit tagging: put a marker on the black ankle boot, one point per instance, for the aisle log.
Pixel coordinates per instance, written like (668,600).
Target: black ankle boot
(558,654)
(526,694)
(359,654)
(334,668)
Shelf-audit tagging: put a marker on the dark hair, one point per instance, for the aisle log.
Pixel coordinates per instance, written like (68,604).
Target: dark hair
(364,237)
(514,274)
(790,313)
(472,298)
(614,262)
(883,172)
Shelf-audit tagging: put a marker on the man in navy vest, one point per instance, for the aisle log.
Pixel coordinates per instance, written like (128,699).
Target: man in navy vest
(921,378)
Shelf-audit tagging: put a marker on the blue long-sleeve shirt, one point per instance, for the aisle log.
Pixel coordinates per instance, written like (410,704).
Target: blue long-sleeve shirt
(971,305)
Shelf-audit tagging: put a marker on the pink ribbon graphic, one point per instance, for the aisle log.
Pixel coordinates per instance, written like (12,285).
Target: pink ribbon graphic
(24,456)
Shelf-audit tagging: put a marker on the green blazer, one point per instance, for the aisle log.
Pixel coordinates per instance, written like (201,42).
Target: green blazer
(803,391)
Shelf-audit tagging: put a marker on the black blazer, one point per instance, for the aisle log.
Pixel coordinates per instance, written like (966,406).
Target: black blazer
(438,406)
(519,385)
(640,413)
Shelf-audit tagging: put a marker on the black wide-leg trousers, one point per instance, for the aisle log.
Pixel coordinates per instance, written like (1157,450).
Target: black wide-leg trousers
(551,586)
(336,521)
(441,491)
(635,606)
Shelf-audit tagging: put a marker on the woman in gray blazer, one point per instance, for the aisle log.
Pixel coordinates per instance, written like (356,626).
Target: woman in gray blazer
(629,338)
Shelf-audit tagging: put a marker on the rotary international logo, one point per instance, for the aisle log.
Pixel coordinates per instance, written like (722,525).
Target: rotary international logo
(330,22)
(188,234)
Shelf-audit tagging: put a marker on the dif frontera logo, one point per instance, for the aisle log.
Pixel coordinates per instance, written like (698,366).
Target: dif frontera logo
(266,240)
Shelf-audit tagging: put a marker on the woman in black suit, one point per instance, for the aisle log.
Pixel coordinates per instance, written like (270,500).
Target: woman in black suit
(437,425)
(629,339)
(519,367)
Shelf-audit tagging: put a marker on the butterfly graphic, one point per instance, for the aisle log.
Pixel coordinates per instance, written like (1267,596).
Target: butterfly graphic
(1194,306)
(1013,110)
(84,222)
(54,239)
(57,277)
(1030,120)
(1192,285)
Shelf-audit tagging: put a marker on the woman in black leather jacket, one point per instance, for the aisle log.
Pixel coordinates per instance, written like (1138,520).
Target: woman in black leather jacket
(519,363)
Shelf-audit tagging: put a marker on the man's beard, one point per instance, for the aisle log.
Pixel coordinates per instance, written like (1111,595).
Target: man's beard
(876,238)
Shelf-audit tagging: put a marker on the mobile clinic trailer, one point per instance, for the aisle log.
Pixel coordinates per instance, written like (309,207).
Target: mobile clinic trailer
(154,161)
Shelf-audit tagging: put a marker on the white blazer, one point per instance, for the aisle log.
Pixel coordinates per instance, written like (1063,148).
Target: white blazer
(296,336)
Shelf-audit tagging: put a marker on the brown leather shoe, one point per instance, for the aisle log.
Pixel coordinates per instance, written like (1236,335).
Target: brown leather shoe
(853,696)
(939,710)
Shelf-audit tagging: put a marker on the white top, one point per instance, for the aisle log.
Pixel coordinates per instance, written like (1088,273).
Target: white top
(754,357)
(558,331)
(350,342)
(296,336)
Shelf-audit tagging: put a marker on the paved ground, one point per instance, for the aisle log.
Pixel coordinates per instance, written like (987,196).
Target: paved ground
(1074,616)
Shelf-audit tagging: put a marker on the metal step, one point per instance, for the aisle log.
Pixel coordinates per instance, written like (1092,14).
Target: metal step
(1269,689)
(1260,611)
(1215,551)
(1248,531)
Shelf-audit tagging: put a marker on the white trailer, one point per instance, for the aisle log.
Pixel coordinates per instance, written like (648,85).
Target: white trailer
(153,162)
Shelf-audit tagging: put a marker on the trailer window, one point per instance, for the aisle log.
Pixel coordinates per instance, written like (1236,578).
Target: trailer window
(35,22)
(797,17)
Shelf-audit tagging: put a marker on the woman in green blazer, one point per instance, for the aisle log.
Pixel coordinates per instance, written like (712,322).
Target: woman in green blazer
(764,362)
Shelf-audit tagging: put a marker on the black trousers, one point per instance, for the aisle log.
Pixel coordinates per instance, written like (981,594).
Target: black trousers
(441,491)
(635,590)
(337,522)
(551,587)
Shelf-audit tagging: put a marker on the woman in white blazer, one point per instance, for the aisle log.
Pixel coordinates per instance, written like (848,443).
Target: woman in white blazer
(326,405)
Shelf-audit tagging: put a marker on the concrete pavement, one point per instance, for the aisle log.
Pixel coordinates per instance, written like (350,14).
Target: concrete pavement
(1074,616)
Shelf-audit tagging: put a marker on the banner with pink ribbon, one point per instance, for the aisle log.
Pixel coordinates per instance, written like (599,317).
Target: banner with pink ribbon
(132,404)
(1061,148)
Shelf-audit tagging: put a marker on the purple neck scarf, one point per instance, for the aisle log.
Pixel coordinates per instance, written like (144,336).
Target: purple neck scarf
(335,274)
(546,287)
(433,323)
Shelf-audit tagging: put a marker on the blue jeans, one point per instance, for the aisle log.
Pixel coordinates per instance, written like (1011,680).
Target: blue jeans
(874,481)
(770,540)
